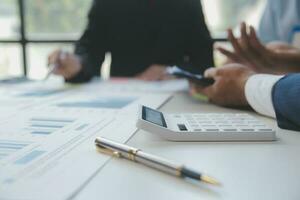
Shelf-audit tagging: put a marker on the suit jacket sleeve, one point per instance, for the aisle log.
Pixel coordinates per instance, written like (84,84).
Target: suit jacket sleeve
(200,44)
(91,46)
(286,101)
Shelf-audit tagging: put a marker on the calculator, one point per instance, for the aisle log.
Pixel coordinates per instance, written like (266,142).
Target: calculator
(204,126)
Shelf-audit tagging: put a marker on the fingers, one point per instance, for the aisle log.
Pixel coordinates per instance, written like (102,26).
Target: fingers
(57,60)
(64,64)
(248,49)
(198,89)
(240,47)
(54,58)
(274,55)
(251,54)
(264,55)
(255,43)
(211,72)
(234,42)
(244,37)
(230,55)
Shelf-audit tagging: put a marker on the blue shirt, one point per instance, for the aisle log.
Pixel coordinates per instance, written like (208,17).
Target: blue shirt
(279,20)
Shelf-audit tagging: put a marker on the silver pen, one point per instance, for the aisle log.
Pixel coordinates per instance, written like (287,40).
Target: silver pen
(52,66)
(123,151)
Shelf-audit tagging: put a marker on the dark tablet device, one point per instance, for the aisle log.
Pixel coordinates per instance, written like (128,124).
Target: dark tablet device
(196,78)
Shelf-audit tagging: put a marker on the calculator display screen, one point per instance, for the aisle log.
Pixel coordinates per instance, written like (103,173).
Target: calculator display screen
(153,116)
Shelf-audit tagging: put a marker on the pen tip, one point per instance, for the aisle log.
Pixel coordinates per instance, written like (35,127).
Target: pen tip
(210,180)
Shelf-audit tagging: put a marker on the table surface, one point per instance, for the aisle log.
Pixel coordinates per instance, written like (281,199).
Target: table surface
(247,170)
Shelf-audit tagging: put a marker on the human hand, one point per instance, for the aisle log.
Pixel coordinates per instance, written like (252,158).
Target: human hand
(65,64)
(228,89)
(248,50)
(154,73)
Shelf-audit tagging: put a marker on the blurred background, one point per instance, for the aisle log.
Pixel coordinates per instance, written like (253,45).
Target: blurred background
(31,29)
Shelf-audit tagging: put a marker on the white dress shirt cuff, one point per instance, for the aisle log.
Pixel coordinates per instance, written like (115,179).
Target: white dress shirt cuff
(258,91)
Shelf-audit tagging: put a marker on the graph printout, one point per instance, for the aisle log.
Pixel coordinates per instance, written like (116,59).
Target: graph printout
(47,138)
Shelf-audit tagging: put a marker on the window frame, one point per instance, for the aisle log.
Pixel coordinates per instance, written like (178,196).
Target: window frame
(24,41)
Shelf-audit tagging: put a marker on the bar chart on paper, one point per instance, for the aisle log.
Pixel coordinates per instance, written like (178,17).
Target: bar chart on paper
(9,147)
(51,134)
(104,102)
(46,126)
(41,93)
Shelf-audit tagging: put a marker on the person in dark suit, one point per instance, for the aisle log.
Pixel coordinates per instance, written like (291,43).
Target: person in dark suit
(143,37)
(271,88)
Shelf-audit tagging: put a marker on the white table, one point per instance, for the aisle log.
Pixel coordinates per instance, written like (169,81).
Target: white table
(248,170)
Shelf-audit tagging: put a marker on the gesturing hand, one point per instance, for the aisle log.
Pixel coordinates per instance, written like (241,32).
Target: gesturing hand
(248,50)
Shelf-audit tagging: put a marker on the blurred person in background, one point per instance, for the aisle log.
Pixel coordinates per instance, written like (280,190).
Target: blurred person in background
(280,20)
(143,36)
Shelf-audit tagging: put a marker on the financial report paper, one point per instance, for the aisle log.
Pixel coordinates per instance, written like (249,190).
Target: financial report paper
(47,133)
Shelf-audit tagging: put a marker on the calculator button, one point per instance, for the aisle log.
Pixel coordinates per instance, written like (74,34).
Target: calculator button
(237,122)
(266,129)
(208,125)
(259,125)
(221,122)
(247,129)
(182,127)
(177,116)
(212,129)
(224,125)
(254,122)
(204,122)
(188,117)
(198,129)
(231,129)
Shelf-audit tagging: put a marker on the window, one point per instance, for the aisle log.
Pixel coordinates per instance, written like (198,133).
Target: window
(55,19)
(31,29)
(58,20)
(9,20)
(222,14)
(10,54)
(10,60)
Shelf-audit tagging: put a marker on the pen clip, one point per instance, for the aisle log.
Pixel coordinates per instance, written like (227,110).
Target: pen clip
(107,151)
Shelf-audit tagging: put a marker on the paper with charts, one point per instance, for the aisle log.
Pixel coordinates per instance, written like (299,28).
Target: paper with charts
(47,132)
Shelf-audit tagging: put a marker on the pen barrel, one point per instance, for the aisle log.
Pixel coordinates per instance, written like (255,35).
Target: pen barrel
(158,163)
